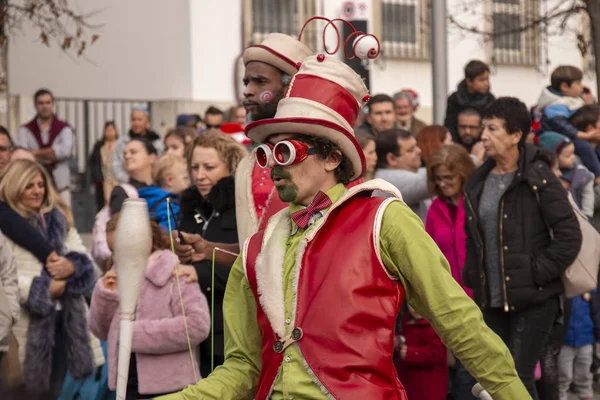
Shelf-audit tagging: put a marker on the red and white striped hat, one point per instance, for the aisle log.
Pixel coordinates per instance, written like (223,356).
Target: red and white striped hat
(323,99)
(280,51)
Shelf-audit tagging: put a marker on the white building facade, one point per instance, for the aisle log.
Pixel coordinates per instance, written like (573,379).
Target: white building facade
(183,55)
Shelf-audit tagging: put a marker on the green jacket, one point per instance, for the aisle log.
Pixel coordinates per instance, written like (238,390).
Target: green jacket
(411,256)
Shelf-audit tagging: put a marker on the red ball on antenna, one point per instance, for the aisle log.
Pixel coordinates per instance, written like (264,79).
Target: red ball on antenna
(366,98)
(321,57)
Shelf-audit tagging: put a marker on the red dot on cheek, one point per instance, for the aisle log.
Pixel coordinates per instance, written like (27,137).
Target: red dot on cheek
(321,57)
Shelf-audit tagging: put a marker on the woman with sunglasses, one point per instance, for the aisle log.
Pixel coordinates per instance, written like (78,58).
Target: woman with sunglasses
(448,169)
(208,222)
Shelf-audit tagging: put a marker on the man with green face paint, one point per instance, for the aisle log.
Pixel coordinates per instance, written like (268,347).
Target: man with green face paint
(269,70)
(311,303)
(287,193)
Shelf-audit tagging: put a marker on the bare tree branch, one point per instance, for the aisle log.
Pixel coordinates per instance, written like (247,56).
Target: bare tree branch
(557,13)
(57,22)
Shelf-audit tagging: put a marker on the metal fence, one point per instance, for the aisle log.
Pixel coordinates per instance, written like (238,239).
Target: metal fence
(87,117)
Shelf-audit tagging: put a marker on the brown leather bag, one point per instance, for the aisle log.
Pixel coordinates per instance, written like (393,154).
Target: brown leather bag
(11,374)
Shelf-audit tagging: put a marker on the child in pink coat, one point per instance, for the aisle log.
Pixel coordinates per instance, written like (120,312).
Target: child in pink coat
(160,358)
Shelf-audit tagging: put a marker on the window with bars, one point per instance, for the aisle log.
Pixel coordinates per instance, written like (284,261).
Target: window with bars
(262,17)
(404,28)
(516,38)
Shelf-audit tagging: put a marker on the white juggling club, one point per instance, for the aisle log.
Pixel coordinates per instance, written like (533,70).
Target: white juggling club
(133,243)
(479,392)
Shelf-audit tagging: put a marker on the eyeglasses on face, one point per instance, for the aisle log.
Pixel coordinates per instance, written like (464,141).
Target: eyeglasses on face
(444,178)
(286,152)
(469,127)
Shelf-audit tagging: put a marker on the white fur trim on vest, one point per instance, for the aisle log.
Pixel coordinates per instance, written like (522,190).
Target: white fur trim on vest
(377,233)
(269,263)
(245,211)
(269,270)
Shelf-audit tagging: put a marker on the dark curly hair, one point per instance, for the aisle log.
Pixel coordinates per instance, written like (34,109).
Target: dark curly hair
(514,113)
(324,147)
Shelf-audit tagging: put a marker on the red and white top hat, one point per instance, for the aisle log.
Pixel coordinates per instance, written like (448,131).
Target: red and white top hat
(323,99)
(236,131)
(280,51)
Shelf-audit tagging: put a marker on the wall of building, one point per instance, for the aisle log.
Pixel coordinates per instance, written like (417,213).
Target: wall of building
(216,44)
(391,75)
(183,58)
(143,53)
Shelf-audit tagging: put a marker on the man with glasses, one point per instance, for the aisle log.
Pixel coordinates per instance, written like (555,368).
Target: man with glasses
(311,304)
(51,141)
(213,118)
(468,128)
(6,146)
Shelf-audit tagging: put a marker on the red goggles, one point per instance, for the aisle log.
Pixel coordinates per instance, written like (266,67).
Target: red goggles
(286,152)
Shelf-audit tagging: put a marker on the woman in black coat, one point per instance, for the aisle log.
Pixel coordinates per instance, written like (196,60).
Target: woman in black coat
(208,211)
(513,265)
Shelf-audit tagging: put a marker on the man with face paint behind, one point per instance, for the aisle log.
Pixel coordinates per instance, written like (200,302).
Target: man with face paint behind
(269,70)
(311,303)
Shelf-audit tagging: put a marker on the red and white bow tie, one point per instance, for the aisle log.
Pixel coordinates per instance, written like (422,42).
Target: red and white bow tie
(302,217)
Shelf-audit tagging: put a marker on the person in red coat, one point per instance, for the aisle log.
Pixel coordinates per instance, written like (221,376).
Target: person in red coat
(422,367)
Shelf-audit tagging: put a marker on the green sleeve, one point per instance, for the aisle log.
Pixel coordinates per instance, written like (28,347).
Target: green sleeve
(238,376)
(410,254)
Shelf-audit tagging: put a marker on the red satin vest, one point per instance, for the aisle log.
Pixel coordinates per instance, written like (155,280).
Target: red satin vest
(346,308)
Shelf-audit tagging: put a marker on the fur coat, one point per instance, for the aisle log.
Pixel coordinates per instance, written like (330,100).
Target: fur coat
(36,329)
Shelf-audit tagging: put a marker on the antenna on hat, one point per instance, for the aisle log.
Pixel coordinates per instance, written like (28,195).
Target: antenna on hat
(329,22)
(365,46)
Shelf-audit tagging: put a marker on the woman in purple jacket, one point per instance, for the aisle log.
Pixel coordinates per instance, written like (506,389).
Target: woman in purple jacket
(161,362)
(448,169)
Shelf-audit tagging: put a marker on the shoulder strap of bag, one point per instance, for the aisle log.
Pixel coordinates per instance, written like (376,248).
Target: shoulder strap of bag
(550,231)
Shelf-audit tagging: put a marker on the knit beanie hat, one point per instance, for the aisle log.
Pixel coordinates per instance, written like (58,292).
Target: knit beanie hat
(183,119)
(553,141)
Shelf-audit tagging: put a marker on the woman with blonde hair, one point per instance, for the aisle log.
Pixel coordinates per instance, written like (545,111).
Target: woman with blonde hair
(208,213)
(52,331)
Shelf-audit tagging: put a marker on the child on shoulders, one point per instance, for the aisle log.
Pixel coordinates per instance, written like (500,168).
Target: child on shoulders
(170,179)
(557,103)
